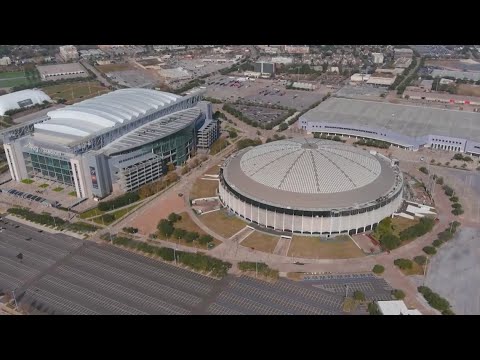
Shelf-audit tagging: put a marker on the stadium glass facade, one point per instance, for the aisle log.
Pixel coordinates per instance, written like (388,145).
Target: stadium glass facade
(49,168)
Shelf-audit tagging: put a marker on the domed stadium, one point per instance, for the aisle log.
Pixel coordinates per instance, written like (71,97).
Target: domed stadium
(311,186)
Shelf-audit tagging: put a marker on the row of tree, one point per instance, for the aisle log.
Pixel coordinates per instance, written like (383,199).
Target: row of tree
(435,300)
(166,229)
(258,267)
(373,143)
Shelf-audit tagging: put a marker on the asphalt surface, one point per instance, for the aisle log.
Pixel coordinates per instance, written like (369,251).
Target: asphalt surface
(63,275)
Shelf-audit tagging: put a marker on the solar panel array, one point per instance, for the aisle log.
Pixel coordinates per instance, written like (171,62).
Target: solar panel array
(310,166)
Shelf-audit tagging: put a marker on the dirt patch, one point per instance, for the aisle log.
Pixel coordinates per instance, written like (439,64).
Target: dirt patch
(468,90)
(203,188)
(313,248)
(261,241)
(114,67)
(147,218)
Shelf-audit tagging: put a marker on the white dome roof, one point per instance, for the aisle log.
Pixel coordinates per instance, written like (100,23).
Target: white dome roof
(11,101)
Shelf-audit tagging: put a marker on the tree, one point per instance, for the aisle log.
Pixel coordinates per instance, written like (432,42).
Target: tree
(358,295)
(429,250)
(205,239)
(191,236)
(432,161)
(454,199)
(448,312)
(457,211)
(373,309)
(398,294)
(179,233)
(165,228)
(420,260)
(378,269)
(390,241)
(456,205)
(437,243)
(403,263)
(173,218)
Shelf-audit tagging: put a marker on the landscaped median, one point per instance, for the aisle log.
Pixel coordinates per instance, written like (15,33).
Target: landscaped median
(195,261)
(52,221)
(258,268)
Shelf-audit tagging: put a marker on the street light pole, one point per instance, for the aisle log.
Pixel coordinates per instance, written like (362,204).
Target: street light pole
(425,271)
(15,299)
(256,268)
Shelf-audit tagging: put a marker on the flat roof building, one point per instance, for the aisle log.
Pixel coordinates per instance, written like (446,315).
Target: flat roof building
(68,52)
(398,53)
(61,71)
(396,307)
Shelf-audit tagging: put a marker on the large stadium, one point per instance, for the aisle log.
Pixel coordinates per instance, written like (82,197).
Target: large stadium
(311,186)
(116,141)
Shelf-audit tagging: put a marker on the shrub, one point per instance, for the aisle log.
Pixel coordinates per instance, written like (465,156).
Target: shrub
(244,143)
(424,170)
(429,250)
(191,236)
(448,190)
(398,294)
(445,235)
(424,290)
(437,243)
(420,260)
(130,230)
(439,181)
(454,199)
(378,269)
(179,233)
(260,267)
(448,312)
(403,263)
(165,228)
(358,295)
(432,161)
(43,219)
(82,227)
(456,205)
(419,229)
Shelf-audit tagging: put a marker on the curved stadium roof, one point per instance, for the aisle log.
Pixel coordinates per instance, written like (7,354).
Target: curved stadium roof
(10,101)
(102,112)
(309,174)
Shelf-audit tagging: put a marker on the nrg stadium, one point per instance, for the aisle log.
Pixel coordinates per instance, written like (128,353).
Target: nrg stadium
(113,142)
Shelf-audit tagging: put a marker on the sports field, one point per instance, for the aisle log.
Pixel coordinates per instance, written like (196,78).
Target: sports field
(75,91)
(14,78)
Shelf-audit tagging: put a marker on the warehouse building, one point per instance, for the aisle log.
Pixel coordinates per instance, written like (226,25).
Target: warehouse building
(406,126)
(116,141)
(62,71)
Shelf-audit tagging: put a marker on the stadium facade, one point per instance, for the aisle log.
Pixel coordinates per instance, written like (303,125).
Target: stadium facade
(116,141)
(406,126)
(311,187)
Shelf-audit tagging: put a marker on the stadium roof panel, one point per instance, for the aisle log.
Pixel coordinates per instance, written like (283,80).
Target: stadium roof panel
(102,112)
(154,130)
(409,120)
(309,174)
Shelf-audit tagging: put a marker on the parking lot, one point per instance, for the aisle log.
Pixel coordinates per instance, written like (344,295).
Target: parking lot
(57,274)
(261,114)
(432,50)
(263,92)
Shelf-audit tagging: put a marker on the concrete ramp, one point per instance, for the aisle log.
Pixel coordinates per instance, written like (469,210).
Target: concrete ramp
(282,247)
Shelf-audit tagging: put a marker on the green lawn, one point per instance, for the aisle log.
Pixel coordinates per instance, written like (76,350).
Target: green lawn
(90,213)
(43,186)
(58,189)
(72,193)
(28,181)
(77,90)
(117,215)
(15,78)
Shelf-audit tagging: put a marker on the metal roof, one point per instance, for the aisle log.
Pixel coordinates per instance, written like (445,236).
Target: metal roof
(309,174)
(105,111)
(10,101)
(153,131)
(409,120)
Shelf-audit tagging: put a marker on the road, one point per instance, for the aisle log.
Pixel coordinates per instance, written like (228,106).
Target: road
(63,275)
(97,73)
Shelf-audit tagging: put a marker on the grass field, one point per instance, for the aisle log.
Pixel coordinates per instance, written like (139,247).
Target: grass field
(58,189)
(468,90)
(117,214)
(90,213)
(400,223)
(314,248)
(15,78)
(203,188)
(415,270)
(43,186)
(77,90)
(114,67)
(222,223)
(261,241)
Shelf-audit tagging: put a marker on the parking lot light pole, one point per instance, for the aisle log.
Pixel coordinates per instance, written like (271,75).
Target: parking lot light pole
(256,268)
(425,271)
(15,299)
